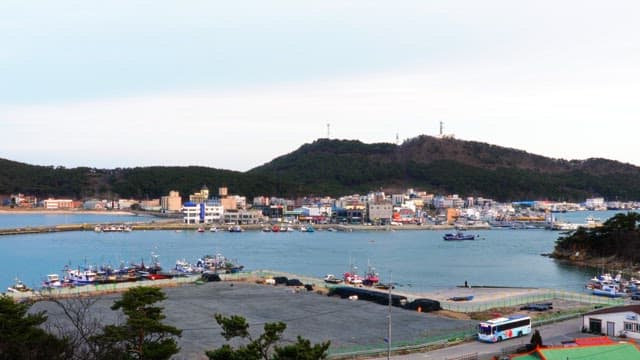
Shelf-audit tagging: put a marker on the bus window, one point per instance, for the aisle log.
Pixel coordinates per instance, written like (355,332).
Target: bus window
(486,330)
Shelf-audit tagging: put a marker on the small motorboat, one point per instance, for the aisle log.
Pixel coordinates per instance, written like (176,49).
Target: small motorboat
(458,236)
(331,279)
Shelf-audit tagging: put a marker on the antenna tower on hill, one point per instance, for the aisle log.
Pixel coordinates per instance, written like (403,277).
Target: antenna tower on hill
(443,135)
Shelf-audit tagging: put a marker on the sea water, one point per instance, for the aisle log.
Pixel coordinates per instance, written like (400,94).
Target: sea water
(416,260)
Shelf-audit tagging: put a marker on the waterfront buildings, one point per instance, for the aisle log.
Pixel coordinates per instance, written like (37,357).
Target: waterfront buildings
(171,203)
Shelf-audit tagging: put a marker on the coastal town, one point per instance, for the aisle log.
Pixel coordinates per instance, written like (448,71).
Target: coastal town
(410,207)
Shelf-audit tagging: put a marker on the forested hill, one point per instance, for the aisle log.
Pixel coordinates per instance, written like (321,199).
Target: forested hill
(452,166)
(337,167)
(616,242)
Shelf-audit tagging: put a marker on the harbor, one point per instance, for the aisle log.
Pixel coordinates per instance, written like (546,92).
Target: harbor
(416,260)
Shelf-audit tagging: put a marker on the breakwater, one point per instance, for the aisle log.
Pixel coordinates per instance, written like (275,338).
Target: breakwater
(176,225)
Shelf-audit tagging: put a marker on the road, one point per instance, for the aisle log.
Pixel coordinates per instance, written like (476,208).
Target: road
(551,334)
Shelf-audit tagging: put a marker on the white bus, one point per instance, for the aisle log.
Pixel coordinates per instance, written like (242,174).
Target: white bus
(504,328)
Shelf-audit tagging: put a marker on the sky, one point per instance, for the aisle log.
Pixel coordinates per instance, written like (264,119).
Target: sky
(234,84)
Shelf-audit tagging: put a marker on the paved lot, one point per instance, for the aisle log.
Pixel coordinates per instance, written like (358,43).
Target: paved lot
(347,324)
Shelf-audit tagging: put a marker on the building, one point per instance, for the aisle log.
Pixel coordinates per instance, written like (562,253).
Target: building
(595,204)
(150,205)
(55,204)
(171,203)
(598,348)
(243,217)
(94,205)
(380,213)
(614,321)
(200,197)
(202,213)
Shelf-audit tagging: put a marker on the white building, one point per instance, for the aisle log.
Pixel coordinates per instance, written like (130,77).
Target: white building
(53,204)
(595,204)
(203,213)
(614,321)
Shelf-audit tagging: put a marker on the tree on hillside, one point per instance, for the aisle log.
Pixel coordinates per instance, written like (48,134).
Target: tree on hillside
(618,237)
(143,335)
(265,346)
(22,338)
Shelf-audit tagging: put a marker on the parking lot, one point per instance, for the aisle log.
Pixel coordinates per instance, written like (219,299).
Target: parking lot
(347,324)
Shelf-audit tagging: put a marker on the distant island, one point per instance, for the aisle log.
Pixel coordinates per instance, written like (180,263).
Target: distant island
(614,246)
(329,167)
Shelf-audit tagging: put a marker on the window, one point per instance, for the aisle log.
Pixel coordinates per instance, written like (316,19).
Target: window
(632,327)
(514,324)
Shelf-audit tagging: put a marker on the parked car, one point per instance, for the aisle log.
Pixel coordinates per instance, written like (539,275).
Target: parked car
(635,296)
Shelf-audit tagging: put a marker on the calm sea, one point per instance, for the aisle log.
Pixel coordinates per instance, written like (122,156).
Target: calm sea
(416,260)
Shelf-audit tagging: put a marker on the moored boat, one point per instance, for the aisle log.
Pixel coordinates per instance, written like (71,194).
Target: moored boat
(82,277)
(19,287)
(217,263)
(609,291)
(458,236)
(371,277)
(331,279)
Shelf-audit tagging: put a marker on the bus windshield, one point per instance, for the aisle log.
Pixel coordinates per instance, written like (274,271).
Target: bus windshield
(485,329)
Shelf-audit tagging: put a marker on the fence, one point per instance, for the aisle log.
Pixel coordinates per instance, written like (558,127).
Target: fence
(541,296)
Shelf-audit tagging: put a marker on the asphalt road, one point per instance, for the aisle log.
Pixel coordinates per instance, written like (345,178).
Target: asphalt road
(552,334)
(347,324)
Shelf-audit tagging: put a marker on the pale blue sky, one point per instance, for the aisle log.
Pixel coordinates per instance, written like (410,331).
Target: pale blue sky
(234,84)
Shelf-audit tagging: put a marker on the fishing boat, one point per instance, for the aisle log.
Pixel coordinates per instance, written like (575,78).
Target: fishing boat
(184,267)
(235,228)
(608,290)
(218,263)
(458,236)
(371,277)
(200,230)
(82,277)
(54,281)
(352,278)
(18,287)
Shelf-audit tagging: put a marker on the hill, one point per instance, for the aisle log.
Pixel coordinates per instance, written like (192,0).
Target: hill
(616,244)
(451,166)
(337,167)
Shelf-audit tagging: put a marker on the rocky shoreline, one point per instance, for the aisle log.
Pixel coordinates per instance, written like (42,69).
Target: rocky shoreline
(601,264)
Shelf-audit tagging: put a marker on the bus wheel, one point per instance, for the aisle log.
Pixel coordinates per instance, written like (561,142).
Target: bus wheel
(499,338)
(520,334)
